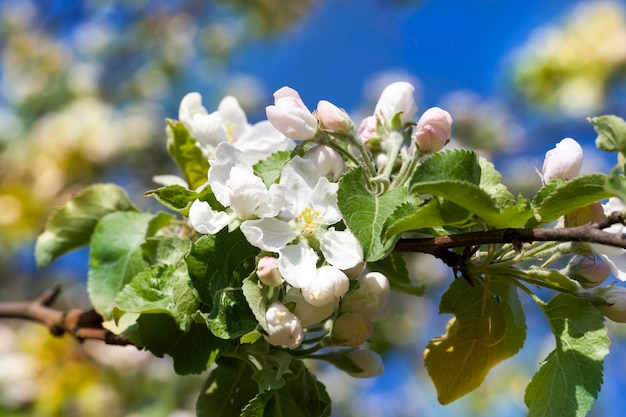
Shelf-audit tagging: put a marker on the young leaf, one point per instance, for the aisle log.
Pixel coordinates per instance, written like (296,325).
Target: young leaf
(231,316)
(478,201)
(611,133)
(457,164)
(227,390)
(485,331)
(256,299)
(71,225)
(365,213)
(115,257)
(490,181)
(569,380)
(179,199)
(192,351)
(269,169)
(165,250)
(301,396)
(616,184)
(187,155)
(436,212)
(579,192)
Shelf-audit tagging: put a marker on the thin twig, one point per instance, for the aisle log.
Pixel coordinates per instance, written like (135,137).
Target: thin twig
(80,324)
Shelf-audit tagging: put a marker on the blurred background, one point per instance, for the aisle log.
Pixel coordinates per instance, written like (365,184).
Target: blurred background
(85,87)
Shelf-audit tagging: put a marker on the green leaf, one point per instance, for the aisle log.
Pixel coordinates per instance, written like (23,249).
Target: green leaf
(555,279)
(187,155)
(436,212)
(394,268)
(231,316)
(161,289)
(269,169)
(485,330)
(192,351)
(570,378)
(268,379)
(574,194)
(611,133)
(179,199)
(456,164)
(490,181)
(478,201)
(616,184)
(365,213)
(71,225)
(227,390)
(220,261)
(165,250)
(302,396)
(115,257)
(256,300)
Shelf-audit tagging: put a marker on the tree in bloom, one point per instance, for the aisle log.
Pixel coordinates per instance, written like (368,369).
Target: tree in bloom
(274,252)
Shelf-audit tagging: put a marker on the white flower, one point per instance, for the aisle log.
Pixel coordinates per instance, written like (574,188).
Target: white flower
(230,124)
(563,161)
(614,257)
(283,327)
(235,186)
(370,297)
(396,98)
(290,116)
(304,224)
(306,312)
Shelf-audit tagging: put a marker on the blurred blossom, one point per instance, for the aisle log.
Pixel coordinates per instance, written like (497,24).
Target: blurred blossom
(570,66)
(91,38)
(249,91)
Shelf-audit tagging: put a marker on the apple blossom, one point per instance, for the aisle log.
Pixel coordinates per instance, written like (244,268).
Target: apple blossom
(333,118)
(267,271)
(230,124)
(235,186)
(563,161)
(307,313)
(396,98)
(367,129)
(290,116)
(370,297)
(615,298)
(304,224)
(283,327)
(329,284)
(433,130)
(327,161)
(370,363)
(591,213)
(351,329)
(614,257)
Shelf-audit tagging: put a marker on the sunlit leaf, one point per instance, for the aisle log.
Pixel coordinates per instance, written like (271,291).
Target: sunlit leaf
(611,133)
(187,155)
(488,328)
(227,390)
(570,378)
(71,225)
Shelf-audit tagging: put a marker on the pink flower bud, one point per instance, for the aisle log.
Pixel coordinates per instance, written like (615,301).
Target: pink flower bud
(433,130)
(587,270)
(584,215)
(283,327)
(562,162)
(328,162)
(396,98)
(333,118)
(615,298)
(267,271)
(370,363)
(351,329)
(367,129)
(290,116)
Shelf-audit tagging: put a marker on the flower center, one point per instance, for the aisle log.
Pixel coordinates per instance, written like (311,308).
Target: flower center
(310,221)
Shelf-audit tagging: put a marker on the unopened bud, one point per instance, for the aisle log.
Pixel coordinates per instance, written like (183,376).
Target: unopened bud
(563,162)
(615,298)
(267,271)
(370,363)
(351,329)
(396,98)
(433,130)
(290,116)
(588,270)
(370,297)
(328,162)
(333,118)
(283,327)
(329,284)
(584,215)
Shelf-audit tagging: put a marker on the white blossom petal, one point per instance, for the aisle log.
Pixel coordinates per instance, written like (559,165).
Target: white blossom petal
(297,265)
(269,233)
(341,249)
(205,220)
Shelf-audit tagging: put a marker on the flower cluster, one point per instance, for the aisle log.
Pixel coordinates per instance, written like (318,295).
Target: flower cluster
(594,263)
(306,251)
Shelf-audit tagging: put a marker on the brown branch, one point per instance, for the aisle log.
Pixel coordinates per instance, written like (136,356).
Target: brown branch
(80,324)
(590,233)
